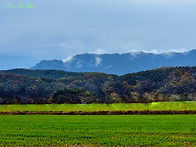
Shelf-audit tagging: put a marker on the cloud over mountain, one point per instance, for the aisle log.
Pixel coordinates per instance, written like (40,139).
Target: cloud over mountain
(120,63)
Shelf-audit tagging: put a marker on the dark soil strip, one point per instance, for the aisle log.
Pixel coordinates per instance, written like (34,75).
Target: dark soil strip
(145,112)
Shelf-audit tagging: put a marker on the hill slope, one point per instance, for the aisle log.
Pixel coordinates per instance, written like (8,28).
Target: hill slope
(35,86)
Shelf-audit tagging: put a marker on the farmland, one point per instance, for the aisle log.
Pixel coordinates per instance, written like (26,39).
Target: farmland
(96,130)
(110,130)
(179,106)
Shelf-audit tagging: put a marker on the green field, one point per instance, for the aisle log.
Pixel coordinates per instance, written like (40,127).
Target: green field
(110,130)
(187,105)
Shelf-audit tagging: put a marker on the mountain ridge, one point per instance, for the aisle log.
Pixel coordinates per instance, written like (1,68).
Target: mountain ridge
(120,64)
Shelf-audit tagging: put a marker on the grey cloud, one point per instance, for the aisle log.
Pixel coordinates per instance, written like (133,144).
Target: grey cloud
(63,28)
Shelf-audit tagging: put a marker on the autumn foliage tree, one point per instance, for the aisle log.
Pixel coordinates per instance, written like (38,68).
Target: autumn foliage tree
(71,96)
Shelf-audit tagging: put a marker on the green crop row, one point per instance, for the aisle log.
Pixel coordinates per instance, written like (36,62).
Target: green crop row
(92,130)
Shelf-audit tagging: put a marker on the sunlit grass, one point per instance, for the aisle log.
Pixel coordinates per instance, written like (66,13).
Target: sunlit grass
(187,105)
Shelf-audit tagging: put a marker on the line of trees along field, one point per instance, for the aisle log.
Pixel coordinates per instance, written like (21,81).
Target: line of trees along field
(25,86)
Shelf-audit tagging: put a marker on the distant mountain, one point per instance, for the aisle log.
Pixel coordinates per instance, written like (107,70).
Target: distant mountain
(120,63)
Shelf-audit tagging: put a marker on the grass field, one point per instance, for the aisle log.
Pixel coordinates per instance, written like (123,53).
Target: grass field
(111,130)
(187,105)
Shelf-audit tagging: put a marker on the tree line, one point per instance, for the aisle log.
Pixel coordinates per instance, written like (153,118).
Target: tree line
(24,86)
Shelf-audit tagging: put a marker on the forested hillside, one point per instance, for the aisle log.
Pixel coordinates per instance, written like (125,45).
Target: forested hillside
(50,74)
(53,86)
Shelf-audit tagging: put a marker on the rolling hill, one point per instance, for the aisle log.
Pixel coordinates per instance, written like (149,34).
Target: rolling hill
(46,86)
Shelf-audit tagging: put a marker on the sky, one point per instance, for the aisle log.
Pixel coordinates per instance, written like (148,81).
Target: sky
(59,29)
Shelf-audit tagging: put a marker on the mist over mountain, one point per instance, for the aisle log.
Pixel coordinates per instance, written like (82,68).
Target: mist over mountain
(120,63)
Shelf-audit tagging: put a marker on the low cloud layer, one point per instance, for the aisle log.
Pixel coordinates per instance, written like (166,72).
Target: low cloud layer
(60,29)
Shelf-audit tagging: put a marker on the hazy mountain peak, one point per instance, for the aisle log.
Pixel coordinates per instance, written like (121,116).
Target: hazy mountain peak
(120,63)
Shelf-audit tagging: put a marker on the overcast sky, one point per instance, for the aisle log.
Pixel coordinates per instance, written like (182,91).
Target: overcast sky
(57,29)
